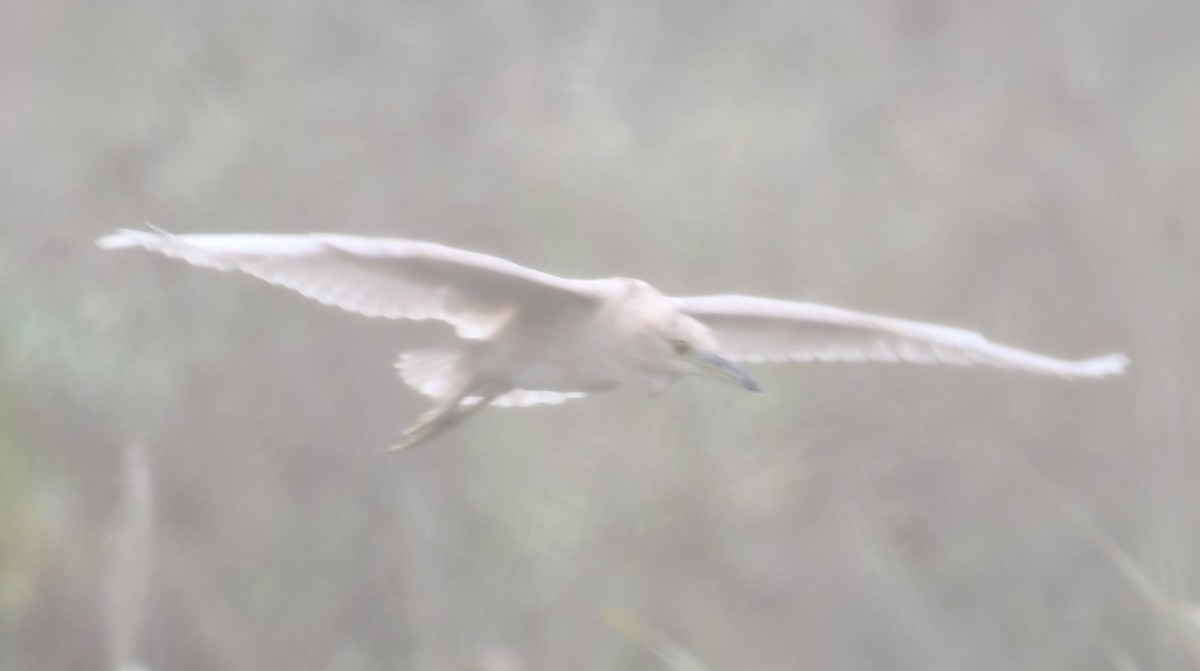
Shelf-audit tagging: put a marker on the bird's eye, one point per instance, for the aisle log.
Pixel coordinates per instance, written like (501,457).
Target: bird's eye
(681,347)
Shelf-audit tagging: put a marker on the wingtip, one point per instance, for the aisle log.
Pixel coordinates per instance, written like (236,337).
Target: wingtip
(1105,366)
(116,240)
(124,237)
(129,237)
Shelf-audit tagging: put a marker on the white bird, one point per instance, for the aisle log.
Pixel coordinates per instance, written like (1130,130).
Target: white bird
(528,337)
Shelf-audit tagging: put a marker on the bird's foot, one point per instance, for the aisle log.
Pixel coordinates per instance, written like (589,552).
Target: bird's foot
(404,444)
(417,432)
(437,420)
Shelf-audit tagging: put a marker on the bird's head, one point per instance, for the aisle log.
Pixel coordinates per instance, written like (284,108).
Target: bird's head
(692,350)
(668,344)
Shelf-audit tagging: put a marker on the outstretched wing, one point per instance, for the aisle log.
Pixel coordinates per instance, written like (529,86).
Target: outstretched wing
(763,329)
(378,277)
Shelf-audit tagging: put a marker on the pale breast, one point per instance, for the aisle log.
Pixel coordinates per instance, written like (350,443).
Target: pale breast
(615,344)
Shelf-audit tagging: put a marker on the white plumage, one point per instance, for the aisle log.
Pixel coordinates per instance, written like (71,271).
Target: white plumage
(528,337)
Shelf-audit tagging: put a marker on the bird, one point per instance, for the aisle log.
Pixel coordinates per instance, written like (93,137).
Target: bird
(527,337)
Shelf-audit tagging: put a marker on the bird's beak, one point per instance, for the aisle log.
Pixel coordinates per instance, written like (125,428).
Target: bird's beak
(720,368)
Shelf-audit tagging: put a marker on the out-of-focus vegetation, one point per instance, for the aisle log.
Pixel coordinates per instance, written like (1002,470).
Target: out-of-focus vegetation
(1030,169)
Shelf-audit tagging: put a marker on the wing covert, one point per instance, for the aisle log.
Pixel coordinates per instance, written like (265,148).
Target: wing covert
(377,277)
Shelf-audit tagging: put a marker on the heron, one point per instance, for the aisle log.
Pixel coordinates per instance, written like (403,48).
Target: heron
(526,337)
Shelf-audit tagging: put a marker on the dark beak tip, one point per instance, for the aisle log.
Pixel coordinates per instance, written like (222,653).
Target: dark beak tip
(755,387)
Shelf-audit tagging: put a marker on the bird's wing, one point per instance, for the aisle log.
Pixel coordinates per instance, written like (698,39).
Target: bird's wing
(378,277)
(763,329)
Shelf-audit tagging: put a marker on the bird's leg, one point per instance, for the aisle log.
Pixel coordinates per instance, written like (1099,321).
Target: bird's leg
(441,418)
(424,428)
(462,412)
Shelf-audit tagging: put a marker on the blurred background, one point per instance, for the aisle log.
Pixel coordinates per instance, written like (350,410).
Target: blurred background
(192,473)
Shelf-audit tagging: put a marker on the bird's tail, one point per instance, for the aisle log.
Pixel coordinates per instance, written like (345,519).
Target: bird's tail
(438,372)
(435,372)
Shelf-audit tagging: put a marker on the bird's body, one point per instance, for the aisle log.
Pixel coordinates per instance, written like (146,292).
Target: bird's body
(552,353)
(527,337)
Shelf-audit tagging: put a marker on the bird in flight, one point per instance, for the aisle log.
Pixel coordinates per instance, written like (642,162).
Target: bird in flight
(527,337)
